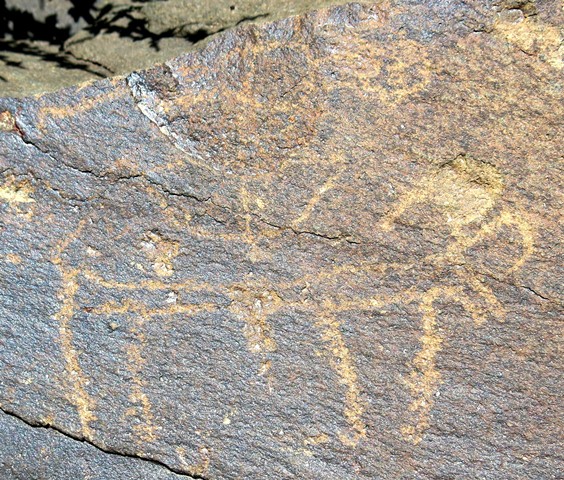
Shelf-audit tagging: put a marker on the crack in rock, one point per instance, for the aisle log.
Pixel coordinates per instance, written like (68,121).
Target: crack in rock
(109,451)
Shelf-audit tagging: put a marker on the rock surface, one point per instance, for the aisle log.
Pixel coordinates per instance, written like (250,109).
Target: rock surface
(326,247)
(45,46)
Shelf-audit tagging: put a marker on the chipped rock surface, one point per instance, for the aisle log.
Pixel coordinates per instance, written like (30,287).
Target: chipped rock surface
(326,247)
(48,45)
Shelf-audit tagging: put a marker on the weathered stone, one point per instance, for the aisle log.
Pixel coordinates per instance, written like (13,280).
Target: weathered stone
(61,43)
(40,453)
(171,28)
(327,247)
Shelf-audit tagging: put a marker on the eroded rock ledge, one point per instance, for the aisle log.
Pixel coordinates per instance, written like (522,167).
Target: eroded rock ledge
(325,247)
(48,45)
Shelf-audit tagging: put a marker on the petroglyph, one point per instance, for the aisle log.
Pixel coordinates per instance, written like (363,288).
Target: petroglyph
(78,382)
(162,252)
(531,35)
(342,362)
(141,405)
(254,307)
(314,200)
(257,260)
(376,70)
(255,252)
(12,258)
(85,105)
(251,302)
(7,122)
(13,192)
(425,379)
(140,313)
(466,192)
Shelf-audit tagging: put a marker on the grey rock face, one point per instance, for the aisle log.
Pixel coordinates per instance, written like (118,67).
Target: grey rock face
(324,247)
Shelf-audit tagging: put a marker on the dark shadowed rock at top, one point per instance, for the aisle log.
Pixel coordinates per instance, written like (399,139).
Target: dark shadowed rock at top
(46,45)
(325,247)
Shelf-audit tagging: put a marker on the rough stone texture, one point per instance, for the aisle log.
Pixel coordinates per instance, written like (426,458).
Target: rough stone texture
(172,27)
(328,247)
(58,43)
(33,453)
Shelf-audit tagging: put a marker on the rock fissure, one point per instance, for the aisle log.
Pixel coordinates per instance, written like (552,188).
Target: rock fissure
(284,281)
(543,297)
(109,451)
